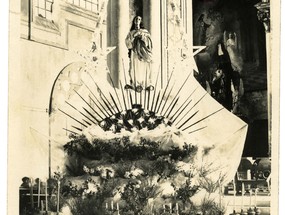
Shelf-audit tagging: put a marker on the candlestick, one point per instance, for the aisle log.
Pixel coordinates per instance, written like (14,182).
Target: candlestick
(31,193)
(234,194)
(46,195)
(39,193)
(242,194)
(250,198)
(255,197)
(42,205)
(177,209)
(118,209)
(58,190)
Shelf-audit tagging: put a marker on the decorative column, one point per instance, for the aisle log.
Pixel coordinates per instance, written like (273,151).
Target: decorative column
(117,30)
(263,14)
(152,10)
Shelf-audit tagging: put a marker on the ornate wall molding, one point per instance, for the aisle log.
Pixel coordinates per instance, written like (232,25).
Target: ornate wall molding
(263,13)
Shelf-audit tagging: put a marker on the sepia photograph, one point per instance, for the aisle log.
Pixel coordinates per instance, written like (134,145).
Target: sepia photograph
(143,107)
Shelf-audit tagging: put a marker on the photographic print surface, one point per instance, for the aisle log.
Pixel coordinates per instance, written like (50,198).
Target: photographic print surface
(143,107)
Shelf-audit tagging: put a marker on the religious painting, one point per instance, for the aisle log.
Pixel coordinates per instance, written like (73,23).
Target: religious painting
(142,107)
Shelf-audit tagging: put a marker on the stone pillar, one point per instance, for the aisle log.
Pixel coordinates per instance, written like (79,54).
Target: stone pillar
(263,14)
(117,30)
(155,31)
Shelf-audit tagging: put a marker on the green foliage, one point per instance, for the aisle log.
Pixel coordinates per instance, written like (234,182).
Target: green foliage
(122,149)
(186,192)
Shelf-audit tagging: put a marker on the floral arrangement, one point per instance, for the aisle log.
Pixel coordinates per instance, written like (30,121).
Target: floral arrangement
(134,158)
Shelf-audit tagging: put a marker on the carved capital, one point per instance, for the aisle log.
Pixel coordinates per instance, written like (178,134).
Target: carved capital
(263,13)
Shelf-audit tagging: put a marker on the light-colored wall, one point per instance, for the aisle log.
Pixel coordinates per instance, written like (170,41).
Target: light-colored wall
(34,65)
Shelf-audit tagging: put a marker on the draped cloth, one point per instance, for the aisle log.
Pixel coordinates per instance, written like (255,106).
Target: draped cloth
(140,44)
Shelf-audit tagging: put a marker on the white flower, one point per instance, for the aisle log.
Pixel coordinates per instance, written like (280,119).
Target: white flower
(92,188)
(141,120)
(85,169)
(136,172)
(166,189)
(127,174)
(106,172)
(120,121)
(151,120)
(130,121)
(91,171)
(113,128)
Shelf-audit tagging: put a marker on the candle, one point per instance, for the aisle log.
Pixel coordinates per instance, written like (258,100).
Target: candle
(112,205)
(163,208)
(118,208)
(242,193)
(39,193)
(255,197)
(31,193)
(46,195)
(234,194)
(106,205)
(250,192)
(58,190)
(170,207)
(177,211)
(42,205)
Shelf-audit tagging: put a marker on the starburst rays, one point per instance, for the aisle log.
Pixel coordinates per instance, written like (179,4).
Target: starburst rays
(106,108)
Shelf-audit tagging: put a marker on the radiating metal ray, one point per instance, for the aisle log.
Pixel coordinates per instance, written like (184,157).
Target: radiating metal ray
(145,86)
(178,92)
(115,103)
(124,99)
(187,120)
(167,97)
(183,105)
(168,81)
(90,114)
(171,109)
(86,122)
(70,131)
(191,108)
(154,92)
(79,112)
(105,100)
(203,119)
(157,99)
(79,129)
(115,90)
(72,118)
(130,105)
(197,130)
(104,113)
(181,111)
(89,105)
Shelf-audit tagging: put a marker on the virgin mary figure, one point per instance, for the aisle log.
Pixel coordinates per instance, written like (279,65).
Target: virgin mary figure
(139,43)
